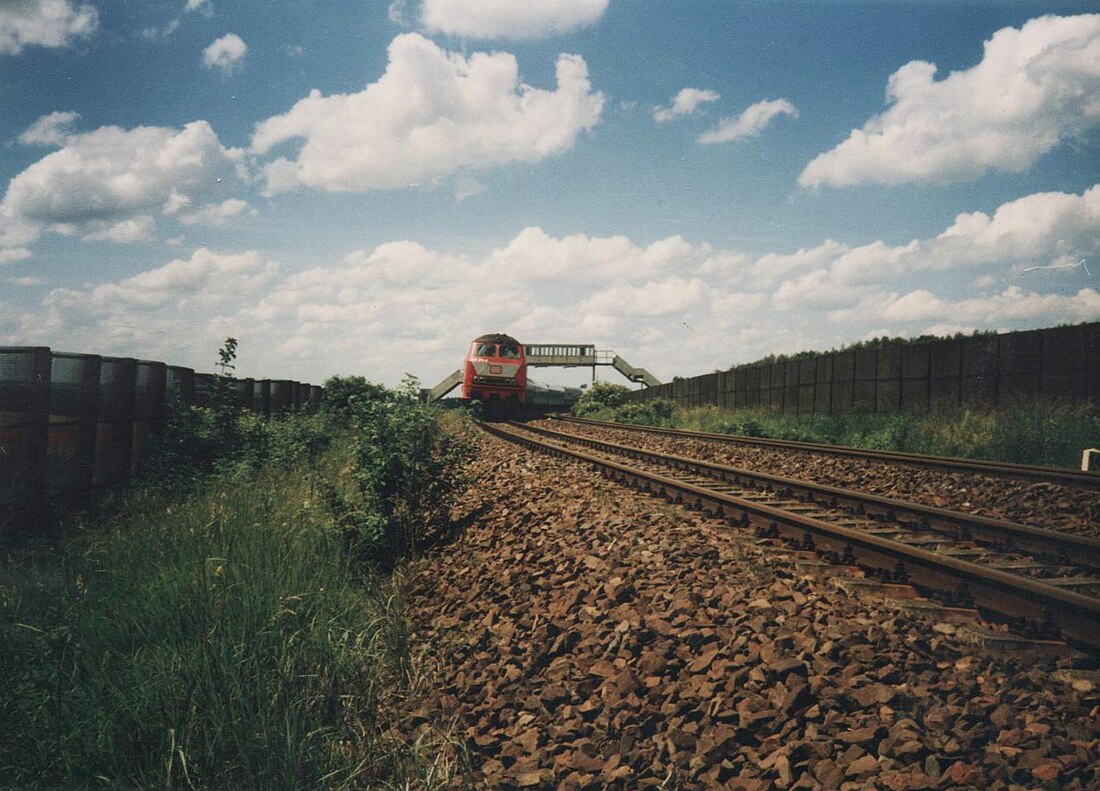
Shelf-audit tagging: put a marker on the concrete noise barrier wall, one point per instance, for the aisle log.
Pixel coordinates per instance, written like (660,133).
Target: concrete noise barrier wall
(1058,363)
(74,423)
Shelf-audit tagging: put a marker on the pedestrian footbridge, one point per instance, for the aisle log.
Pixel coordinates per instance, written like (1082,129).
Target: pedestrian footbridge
(562,355)
(546,355)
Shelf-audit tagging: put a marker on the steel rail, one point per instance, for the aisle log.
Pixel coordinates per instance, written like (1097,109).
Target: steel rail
(1003,468)
(1076,615)
(1079,550)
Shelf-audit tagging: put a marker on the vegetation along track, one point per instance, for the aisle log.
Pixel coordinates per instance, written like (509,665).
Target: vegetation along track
(1027,471)
(829,520)
(1054,506)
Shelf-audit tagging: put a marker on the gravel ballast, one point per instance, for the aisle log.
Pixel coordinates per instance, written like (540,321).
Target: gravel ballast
(582,637)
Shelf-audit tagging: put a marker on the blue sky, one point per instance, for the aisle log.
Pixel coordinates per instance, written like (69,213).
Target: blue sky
(691,184)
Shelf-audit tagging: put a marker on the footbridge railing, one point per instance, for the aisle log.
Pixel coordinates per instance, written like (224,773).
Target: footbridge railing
(566,355)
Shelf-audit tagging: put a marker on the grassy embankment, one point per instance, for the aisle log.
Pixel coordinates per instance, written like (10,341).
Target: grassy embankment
(1039,432)
(238,627)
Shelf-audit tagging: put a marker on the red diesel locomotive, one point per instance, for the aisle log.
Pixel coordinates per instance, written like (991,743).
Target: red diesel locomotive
(495,370)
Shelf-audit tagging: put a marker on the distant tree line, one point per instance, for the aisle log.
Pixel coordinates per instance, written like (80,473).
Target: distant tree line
(871,343)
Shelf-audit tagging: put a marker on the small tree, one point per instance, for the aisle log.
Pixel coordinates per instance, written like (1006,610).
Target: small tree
(601,395)
(225,388)
(197,439)
(343,393)
(408,470)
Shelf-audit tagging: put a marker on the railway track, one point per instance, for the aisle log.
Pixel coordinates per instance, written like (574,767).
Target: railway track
(1025,471)
(1019,572)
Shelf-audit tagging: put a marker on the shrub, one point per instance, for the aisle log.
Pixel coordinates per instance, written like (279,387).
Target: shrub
(407,470)
(656,412)
(601,395)
(342,393)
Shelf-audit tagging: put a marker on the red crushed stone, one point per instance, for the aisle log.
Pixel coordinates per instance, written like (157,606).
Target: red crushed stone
(580,637)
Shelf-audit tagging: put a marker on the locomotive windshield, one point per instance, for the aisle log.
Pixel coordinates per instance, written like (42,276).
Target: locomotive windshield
(506,350)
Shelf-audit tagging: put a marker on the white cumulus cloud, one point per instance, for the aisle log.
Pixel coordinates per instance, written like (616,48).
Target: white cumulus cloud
(1011,305)
(431,113)
(817,290)
(771,269)
(1045,231)
(1034,87)
(671,305)
(657,298)
(686,102)
(750,123)
(509,18)
(107,183)
(872,263)
(1037,229)
(205,280)
(44,23)
(536,257)
(225,53)
(177,312)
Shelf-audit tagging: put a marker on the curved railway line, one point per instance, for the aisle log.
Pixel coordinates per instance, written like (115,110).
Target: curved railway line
(1047,474)
(1019,572)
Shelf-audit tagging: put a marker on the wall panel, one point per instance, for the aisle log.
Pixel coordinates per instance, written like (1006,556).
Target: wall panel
(1019,364)
(1065,371)
(978,364)
(916,367)
(945,372)
(823,384)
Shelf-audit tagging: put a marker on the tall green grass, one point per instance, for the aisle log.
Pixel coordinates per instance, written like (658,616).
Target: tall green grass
(1033,432)
(224,642)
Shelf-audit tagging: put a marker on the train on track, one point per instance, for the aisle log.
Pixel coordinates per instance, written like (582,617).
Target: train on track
(495,370)
(495,374)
